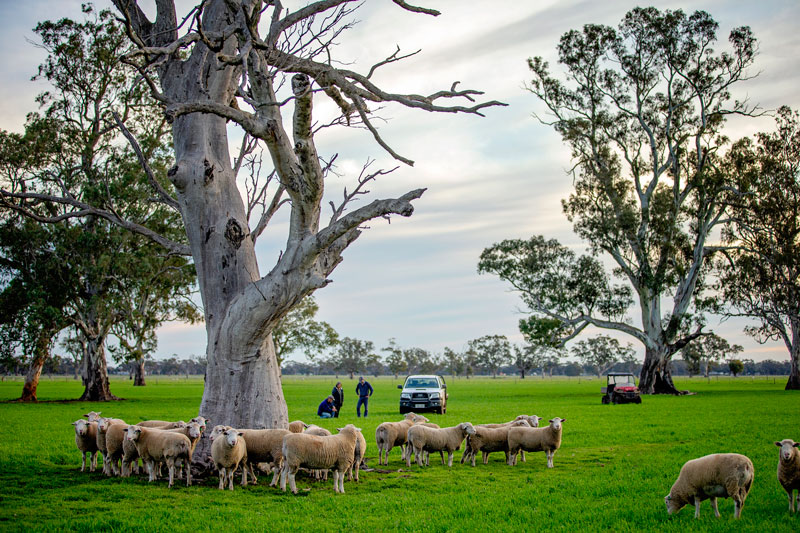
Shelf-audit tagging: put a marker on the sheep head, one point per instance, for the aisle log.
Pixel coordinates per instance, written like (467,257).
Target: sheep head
(81,427)
(787,447)
(556,422)
(232,436)
(92,416)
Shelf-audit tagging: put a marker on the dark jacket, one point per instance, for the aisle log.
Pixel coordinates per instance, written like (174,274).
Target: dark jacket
(338,396)
(364,389)
(325,407)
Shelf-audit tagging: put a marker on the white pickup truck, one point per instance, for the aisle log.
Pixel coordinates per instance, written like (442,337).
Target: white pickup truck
(423,393)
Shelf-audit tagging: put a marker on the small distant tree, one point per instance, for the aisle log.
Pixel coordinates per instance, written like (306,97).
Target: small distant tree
(353,355)
(395,362)
(600,353)
(735,366)
(470,362)
(492,352)
(299,331)
(701,353)
(572,369)
(454,361)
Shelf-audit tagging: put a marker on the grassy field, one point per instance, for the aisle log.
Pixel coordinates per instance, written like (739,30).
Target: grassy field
(615,465)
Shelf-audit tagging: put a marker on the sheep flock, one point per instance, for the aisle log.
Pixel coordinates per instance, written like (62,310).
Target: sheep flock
(316,452)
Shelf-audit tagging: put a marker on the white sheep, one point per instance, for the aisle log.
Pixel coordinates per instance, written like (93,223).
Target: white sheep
(487,440)
(265,446)
(520,421)
(229,451)
(103,424)
(161,424)
(789,470)
(546,439)
(314,429)
(203,421)
(130,456)
(298,426)
(358,455)
(719,475)
(115,450)
(425,439)
(155,445)
(86,441)
(92,416)
(391,434)
(334,452)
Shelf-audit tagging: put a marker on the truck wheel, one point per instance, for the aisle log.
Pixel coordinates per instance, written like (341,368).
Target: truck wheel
(614,399)
(638,399)
(605,400)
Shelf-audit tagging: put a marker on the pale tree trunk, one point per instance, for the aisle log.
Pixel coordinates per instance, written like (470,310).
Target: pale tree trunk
(40,356)
(95,371)
(138,375)
(656,377)
(793,383)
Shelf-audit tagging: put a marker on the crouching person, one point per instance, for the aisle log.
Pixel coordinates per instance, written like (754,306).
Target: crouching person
(326,409)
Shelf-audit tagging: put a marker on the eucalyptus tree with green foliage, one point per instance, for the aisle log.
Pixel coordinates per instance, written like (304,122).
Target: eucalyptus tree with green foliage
(299,331)
(395,360)
(454,361)
(601,353)
(243,63)
(711,348)
(735,366)
(353,355)
(86,182)
(642,108)
(760,276)
(491,352)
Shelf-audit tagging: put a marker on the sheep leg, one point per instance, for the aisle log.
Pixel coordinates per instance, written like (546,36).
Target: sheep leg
(278,471)
(408,460)
(93,464)
(472,455)
(418,456)
(83,467)
(252,473)
(335,481)
(151,469)
(292,484)
(358,467)
(450,458)
(426,456)
(522,456)
(485,457)
(171,468)
(341,482)
(738,502)
(189,473)
(696,507)
(549,458)
(221,478)
(284,474)
(244,474)
(441,454)
(713,502)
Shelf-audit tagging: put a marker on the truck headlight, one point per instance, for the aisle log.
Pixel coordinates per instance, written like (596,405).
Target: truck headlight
(434,396)
(405,396)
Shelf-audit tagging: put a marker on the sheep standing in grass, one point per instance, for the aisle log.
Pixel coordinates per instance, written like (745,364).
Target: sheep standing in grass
(86,441)
(115,450)
(161,424)
(130,456)
(298,426)
(334,452)
(789,470)
(391,434)
(470,450)
(229,451)
(358,455)
(546,439)
(425,439)
(156,446)
(719,475)
(103,424)
(488,440)
(264,446)
(92,416)
(314,429)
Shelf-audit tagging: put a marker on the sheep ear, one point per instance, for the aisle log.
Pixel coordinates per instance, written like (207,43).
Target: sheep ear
(797,445)
(76,423)
(778,444)
(306,425)
(240,434)
(563,419)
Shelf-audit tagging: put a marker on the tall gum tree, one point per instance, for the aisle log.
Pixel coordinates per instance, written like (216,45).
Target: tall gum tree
(642,109)
(229,61)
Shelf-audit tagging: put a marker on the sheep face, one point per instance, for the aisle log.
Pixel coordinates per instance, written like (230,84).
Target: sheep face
(673,506)
(231,436)
(81,427)
(555,423)
(533,420)
(92,416)
(195,430)
(103,424)
(201,421)
(787,449)
(133,433)
(217,431)
(467,428)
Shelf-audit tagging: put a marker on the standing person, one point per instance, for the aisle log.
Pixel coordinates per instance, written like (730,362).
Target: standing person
(338,398)
(364,391)
(326,409)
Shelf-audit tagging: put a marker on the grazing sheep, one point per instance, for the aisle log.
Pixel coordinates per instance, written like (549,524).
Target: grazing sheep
(789,470)
(155,445)
(130,455)
(229,450)
(334,452)
(115,450)
(264,446)
(86,441)
(391,434)
(161,424)
(470,450)
(193,432)
(298,426)
(358,454)
(487,440)
(546,439)
(425,439)
(103,424)
(719,475)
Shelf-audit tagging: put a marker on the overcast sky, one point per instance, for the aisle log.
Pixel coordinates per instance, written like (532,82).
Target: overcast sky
(488,179)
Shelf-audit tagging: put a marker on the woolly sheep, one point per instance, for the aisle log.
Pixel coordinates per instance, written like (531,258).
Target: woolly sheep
(114,440)
(193,431)
(358,455)
(264,446)
(314,429)
(520,421)
(719,475)
(334,452)
(425,454)
(789,470)
(228,451)
(86,441)
(297,426)
(391,434)
(161,424)
(130,456)
(203,421)
(217,431)
(487,440)
(155,445)
(92,416)
(546,439)
(103,424)
(425,439)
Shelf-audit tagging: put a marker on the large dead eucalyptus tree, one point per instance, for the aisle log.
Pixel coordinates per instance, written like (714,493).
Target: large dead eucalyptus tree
(231,61)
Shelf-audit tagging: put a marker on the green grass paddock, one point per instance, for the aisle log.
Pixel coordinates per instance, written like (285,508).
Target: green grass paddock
(615,465)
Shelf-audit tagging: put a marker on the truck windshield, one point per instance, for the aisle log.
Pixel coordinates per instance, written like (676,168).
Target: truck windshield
(422,383)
